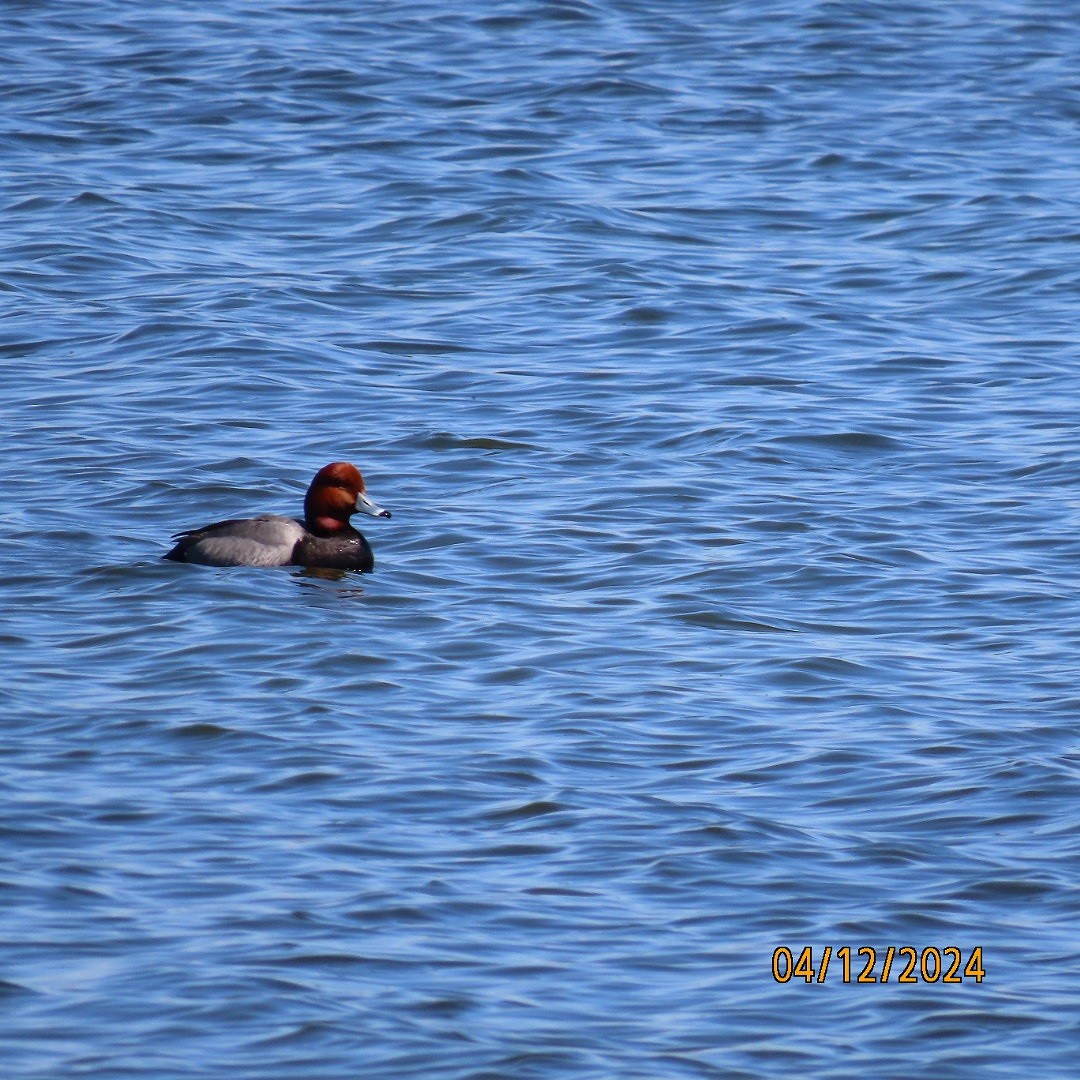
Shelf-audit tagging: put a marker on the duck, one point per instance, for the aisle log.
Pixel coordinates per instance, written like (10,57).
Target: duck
(322,538)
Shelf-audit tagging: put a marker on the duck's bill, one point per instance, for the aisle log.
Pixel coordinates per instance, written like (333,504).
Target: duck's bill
(366,506)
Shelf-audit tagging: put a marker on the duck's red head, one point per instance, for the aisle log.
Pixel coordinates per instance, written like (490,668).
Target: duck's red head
(336,493)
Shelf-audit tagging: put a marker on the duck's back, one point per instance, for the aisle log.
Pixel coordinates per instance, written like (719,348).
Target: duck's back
(268,540)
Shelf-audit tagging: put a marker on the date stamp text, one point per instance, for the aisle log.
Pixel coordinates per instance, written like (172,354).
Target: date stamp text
(869,965)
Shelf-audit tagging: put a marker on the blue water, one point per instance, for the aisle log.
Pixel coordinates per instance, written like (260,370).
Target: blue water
(719,365)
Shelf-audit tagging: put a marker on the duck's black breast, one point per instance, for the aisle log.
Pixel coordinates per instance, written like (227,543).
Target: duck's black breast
(343,551)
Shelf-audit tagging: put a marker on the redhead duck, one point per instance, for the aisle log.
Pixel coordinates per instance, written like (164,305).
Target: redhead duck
(324,538)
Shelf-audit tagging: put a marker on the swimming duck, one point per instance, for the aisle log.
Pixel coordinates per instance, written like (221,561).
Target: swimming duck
(324,537)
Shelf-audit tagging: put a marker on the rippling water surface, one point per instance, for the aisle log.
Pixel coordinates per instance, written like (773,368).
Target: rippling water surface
(719,365)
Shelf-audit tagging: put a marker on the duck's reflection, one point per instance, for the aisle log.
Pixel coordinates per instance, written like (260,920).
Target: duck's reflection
(349,580)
